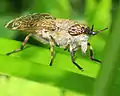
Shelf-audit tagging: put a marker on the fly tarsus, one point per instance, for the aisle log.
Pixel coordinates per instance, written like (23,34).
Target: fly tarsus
(79,67)
(14,51)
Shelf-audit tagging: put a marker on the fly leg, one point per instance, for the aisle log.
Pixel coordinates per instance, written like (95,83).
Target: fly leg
(52,50)
(22,46)
(72,53)
(92,55)
(53,40)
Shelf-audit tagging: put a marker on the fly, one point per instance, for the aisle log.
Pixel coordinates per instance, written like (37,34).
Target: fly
(64,33)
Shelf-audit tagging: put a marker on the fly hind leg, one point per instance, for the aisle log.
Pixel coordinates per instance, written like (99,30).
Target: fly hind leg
(22,46)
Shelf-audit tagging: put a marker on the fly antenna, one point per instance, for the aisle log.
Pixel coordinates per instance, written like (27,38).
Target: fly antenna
(101,30)
(92,28)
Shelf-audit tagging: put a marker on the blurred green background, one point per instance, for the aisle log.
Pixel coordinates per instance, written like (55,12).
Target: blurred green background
(28,70)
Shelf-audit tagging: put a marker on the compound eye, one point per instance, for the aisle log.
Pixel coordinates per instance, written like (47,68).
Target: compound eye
(75,30)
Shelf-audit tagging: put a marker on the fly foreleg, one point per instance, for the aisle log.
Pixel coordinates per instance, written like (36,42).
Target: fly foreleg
(92,55)
(72,53)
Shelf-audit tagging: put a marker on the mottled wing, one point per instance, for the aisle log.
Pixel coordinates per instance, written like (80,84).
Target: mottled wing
(31,22)
(47,25)
(34,21)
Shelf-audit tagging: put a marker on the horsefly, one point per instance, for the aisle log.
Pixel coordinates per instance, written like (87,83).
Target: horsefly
(64,33)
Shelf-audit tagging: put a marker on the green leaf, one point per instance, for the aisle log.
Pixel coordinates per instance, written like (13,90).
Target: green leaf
(42,55)
(33,63)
